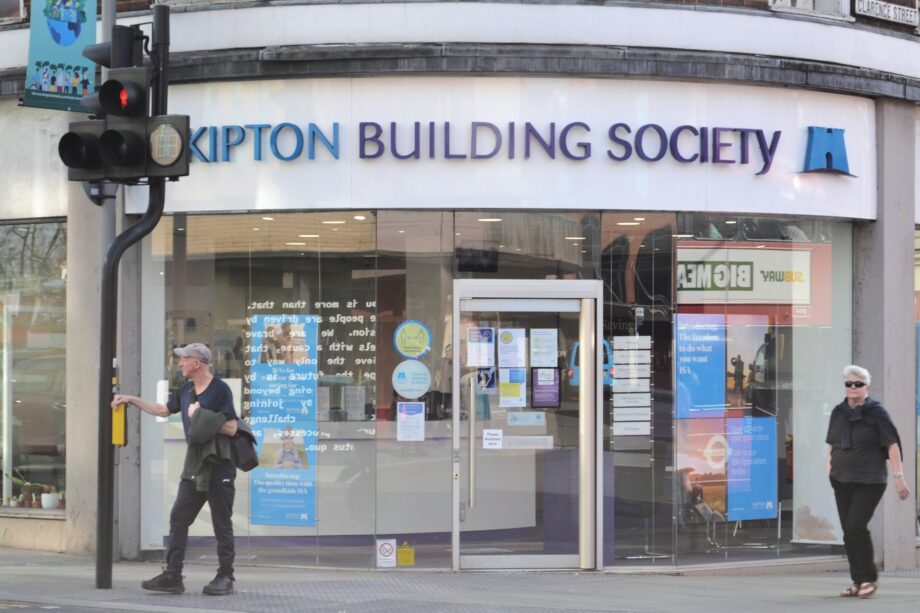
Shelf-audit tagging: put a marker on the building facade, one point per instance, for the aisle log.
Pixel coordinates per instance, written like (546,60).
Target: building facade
(498,285)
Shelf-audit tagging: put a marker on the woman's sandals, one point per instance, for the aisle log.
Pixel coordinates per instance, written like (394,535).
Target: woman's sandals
(851,592)
(867,589)
(860,590)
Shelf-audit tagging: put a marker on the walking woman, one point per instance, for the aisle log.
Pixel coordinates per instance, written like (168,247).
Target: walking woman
(860,438)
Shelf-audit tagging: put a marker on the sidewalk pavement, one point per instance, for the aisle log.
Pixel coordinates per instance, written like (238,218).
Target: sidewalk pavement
(45,581)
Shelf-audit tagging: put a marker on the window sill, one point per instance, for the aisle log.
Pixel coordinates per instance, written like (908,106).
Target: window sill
(21,513)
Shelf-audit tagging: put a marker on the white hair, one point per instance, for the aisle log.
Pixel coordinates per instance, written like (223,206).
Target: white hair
(858,371)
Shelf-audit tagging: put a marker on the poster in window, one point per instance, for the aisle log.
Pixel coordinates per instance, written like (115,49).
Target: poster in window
(544,389)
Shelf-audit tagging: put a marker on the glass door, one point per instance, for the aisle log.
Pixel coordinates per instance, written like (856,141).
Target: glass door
(524,414)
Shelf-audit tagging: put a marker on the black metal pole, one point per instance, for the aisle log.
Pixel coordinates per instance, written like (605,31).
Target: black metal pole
(105,501)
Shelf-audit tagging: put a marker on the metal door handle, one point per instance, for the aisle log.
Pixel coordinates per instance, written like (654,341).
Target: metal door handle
(472,422)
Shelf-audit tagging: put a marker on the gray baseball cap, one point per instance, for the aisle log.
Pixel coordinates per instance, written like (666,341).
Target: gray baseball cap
(198,351)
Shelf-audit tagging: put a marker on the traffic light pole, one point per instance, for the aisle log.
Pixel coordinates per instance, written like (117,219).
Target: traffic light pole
(105,503)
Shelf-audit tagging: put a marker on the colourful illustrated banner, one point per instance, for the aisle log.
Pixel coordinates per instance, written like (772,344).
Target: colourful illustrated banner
(57,74)
(282,391)
(751,468)
(700,365)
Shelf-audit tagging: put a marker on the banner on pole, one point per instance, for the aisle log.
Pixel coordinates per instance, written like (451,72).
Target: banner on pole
(57,74)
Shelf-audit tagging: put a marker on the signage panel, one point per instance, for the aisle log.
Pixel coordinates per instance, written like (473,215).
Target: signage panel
(554,143)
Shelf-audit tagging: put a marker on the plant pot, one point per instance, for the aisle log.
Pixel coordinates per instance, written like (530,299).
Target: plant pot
(37,503)
(27,499)
(51,501)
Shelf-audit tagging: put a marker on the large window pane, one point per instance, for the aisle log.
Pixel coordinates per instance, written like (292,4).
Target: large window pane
(763,330)
(32,329)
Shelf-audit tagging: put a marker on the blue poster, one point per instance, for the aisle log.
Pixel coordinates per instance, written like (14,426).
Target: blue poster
(57,74)
(700,365)
(282,398)
(283,487)
(751,468)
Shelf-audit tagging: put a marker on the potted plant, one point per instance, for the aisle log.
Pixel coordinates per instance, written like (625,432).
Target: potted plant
(50,497)
(26,495)
(37,496)
(62,503)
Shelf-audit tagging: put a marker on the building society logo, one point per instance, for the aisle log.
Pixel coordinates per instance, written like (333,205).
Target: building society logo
(826,152)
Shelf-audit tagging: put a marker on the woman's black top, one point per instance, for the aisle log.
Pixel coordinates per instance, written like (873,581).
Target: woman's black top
(859,440)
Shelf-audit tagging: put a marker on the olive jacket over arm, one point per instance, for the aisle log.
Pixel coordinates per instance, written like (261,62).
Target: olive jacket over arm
(206,447)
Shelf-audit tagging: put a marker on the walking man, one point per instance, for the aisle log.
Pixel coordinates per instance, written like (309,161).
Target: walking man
(209,420)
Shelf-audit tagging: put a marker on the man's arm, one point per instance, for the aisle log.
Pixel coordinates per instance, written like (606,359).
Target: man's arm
(229,428)
(153,408)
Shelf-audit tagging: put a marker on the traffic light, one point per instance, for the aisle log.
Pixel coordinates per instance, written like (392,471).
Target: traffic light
(125,100)
(122,142)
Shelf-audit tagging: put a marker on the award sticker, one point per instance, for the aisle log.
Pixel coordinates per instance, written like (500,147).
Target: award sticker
(412,339)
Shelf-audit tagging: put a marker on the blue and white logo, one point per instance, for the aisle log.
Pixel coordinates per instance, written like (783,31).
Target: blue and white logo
(826,151)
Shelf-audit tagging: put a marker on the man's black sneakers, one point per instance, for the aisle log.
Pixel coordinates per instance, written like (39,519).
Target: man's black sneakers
(221,585)
(165,582)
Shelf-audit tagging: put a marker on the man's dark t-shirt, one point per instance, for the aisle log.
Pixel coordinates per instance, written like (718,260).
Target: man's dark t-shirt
(861,459)
(216,397)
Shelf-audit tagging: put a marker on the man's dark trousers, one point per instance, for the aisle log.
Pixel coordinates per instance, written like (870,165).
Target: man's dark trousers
(189,501)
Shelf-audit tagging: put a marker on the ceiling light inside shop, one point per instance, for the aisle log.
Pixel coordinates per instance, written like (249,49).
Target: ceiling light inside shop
(268,219)
(730,221)
(759,247)
(359,217)
(179,229)
(294,244)
(574,238)
(402,231)
(627,223)
(682,235)
(255,229)
(584,252)
(336,222)
(638,218)
(308,236)
(489,219)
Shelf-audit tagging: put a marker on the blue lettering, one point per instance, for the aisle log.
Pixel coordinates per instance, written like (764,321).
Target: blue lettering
(415,147)
(230,136)
(193,144)
(627,148)
(584,146)
(675,137)
(718,145)
(531,133)
(662,142)
(364,139)
(447,154)
(474,145)
(768,151)
(298,141)
(704,145)
(257,129)
(332,147)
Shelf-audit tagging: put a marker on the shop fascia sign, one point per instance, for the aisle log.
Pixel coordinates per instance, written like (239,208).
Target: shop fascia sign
(481,140)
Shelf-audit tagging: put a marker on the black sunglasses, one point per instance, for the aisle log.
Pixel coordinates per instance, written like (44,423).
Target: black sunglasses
(855,383)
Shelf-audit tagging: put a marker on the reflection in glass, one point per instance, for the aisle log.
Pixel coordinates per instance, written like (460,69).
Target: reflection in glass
(33,333)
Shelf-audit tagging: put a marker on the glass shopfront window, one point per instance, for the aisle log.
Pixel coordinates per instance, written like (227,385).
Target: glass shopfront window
(762,332)
(32,366)
(721,342)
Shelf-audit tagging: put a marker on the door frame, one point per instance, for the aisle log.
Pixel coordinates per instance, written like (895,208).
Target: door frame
(590,531)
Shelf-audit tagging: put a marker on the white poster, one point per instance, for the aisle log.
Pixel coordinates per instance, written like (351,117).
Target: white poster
(410,421)
(386,553)
(512,347)
(512,387)
(492,438)
(543,348)
(354,402)
(480,347)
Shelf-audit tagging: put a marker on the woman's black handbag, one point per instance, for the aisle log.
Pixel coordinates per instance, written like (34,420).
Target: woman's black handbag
(244,447)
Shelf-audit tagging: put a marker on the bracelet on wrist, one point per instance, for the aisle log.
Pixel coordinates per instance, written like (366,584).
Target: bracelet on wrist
(897,474)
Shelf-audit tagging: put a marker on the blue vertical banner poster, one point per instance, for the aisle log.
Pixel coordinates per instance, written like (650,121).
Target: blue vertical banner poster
(282,392)
(700,365)
(751,467)
(57,74)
